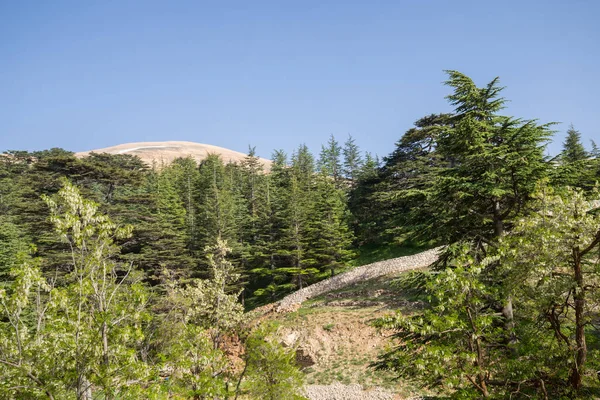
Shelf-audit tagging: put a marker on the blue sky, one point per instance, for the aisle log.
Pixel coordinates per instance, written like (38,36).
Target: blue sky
(90,74)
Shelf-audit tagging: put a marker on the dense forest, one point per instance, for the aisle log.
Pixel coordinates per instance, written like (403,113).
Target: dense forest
(123,280)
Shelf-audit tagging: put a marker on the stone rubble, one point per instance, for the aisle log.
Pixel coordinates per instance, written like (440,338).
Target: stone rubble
(290,303)
(338,391)
(359,274)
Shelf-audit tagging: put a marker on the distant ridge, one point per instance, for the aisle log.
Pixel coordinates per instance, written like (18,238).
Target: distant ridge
(166,152)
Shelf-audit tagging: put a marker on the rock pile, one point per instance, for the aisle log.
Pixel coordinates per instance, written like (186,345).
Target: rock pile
(359,274)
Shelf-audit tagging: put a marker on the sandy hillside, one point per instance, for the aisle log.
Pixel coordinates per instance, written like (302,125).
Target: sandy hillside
(166,152)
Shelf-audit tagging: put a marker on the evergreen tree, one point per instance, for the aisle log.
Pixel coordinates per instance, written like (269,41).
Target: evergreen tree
(370,167)
(12,243)
(295,241)
(547,266)
(353,161)
(303,166)
(595,150)
(164,229)
(577,168)
(329,236)
(216,204)
(367,220)
(221,212)
(254,223)
(330,162)
(273,274)
(42,176)
(184,172)
(495,162)
(105,174)
(573,149)
(406,176)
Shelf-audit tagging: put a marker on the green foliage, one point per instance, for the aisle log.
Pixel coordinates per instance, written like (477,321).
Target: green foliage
(595,153)
(573,149)
(112,312)
(449,344)
(210,304)
(182,208)
(327,228)
(510,306)
(548,266)
(495,162)
(406,179)
(553,256)
(330,159)
(162,241)
(28,365)
(353,162)
(203,314)
(12,243)
(575,166)
(83,334)
(459,176)
(94,335)
(271,370)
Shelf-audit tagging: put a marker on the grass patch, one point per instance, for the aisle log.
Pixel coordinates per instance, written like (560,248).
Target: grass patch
(328,327)
(371,253)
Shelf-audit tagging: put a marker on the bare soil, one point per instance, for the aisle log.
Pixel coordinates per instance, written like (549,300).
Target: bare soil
(163,153)
(336,342)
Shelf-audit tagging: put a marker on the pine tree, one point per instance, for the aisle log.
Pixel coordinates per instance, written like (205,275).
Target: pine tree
(573,150)
(290,198)
(406,176)
(42,176)
(303,166)
(12,243)
(216,204)
(330,162)
(221,213)
(254,222)
(329,236)
(105,174)
(577,168)
(495,162)
(166,248)
(294,243)
(353,161)
(184,172)
(272,276)
(369,168)
(367,220)
(595,150)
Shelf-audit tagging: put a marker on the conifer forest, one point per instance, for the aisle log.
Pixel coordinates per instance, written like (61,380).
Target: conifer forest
(123,280)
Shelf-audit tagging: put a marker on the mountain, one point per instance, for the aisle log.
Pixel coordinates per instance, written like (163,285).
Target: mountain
(166,152)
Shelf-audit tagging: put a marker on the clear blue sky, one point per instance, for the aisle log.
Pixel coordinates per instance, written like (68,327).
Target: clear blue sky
(274,74)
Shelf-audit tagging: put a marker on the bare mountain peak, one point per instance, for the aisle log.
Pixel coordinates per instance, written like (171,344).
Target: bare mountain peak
(166,152)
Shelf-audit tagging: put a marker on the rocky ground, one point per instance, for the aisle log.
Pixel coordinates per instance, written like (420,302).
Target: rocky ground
(330,325)
(336,342)
(339,391)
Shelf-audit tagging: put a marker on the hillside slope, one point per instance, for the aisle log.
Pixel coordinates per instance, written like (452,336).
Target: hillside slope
(329,324)
(166,152)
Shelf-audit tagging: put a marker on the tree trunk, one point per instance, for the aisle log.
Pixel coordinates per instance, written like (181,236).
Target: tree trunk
(105,343)
(507,309)
(84,389)
(498,221)
(576,376)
